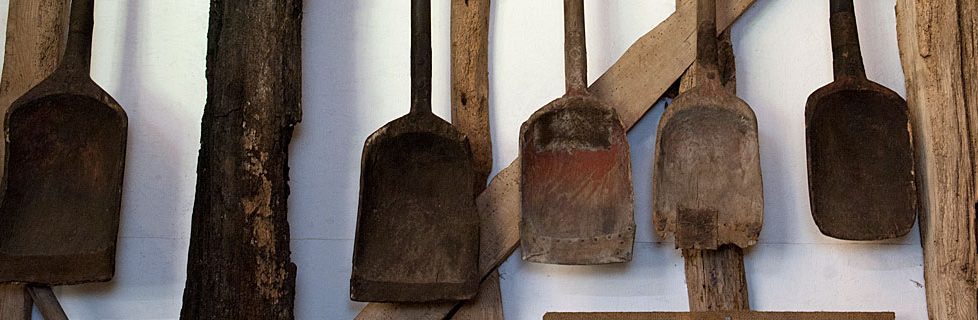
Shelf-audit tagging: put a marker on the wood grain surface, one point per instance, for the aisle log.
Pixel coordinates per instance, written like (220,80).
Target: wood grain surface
(470,114)
(938,47)
(716,279)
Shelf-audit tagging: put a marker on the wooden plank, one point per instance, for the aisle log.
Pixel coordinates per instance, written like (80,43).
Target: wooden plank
(938,51)
(470,114)
(470,80)
(487,305)
(649,61)
(730,315)
(239,264)
(35,40)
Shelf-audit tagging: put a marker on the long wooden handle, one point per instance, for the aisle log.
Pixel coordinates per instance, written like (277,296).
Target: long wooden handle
(575,49)
(706,42)
(848,59)
(421,56)
(78,52)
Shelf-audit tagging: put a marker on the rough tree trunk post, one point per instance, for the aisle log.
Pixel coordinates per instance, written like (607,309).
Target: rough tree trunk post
(633,85)
(470,114)
(35,41)
(239,264)
(938,49)
(716,279)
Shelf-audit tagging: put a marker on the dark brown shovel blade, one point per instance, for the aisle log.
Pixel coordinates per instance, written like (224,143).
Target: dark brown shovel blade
(417,234)
(707,188)
(576,185)
(860,161)
(60,213)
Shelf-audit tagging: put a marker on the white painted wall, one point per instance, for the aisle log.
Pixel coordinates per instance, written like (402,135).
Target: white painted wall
(149,54)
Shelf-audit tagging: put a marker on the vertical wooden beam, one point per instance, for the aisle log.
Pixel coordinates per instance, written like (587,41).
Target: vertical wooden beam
(937,49)
(239,264)
(470,114)
(36,32)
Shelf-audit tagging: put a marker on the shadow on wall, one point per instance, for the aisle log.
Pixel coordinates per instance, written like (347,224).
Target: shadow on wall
(161,152)
(324,158)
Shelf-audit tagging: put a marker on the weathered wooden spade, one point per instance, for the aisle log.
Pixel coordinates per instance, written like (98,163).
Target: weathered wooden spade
(576,174)
(707,173)
(66,143)
(65,156)
(417,236)
(860,154)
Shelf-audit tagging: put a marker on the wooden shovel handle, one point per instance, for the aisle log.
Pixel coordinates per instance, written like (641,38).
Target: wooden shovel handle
(421,56)
(78,52)
(848,59)
(575,50)
(706,42)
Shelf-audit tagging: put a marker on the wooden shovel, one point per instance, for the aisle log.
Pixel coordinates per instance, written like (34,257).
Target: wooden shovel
(66,143)
(417,234)
(707,174)
(860,154)
(576,174)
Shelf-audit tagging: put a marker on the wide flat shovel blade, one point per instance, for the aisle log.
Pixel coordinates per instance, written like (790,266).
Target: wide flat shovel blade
(576,185)
(418,230)
(860,149)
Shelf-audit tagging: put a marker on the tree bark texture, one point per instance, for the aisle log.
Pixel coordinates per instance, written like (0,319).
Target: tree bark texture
(938,48)
(239,264)
(36,32)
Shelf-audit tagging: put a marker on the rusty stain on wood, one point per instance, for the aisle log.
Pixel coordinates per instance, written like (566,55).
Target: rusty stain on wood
(577,203)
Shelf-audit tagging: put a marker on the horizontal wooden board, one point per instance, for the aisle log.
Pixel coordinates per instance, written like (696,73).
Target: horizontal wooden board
(728,315)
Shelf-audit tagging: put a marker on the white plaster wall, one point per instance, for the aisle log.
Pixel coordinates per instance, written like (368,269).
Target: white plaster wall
(149,54)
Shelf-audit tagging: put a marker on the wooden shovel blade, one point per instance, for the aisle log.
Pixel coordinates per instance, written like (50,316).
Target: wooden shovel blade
(707,188)
(417,234)
(576,185)
(60,213)
(860,161)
